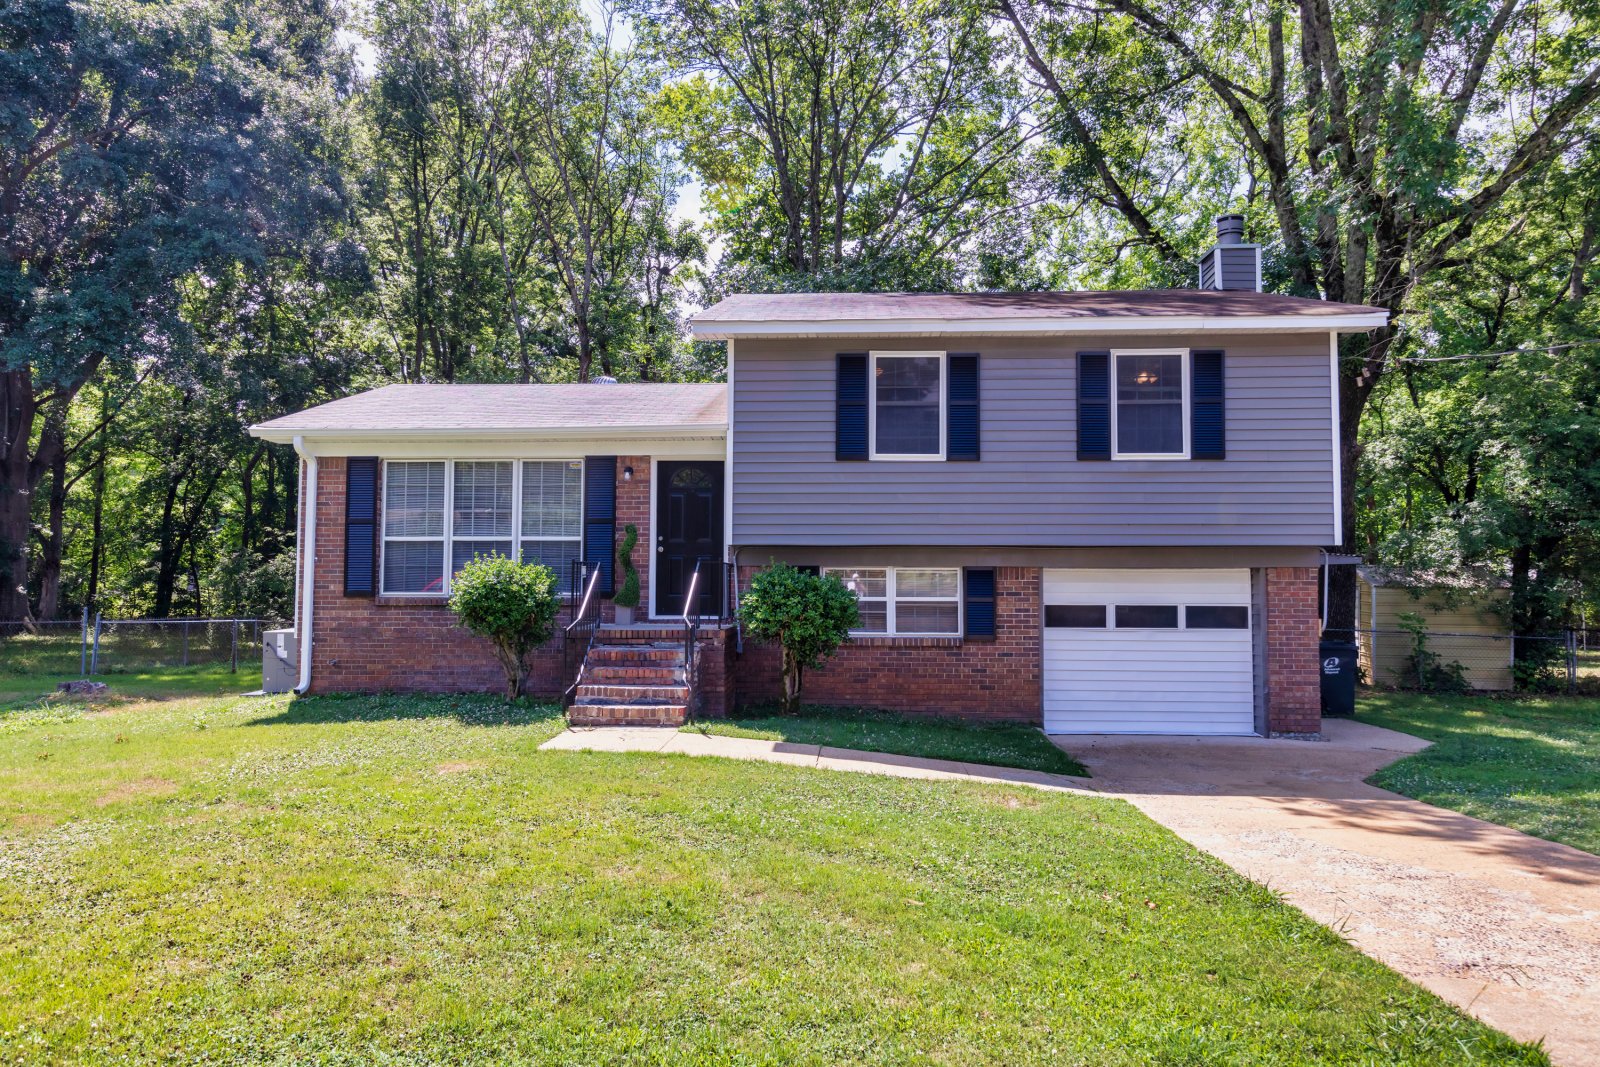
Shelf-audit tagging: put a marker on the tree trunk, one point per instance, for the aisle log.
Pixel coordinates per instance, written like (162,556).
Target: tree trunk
(50,561)
(791,683)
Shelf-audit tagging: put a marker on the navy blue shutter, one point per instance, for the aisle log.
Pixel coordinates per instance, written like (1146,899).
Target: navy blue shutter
(600,517)
(361,526)
(1094,405)
(809,568)
(850,407)
(979,594)
(1208,436)
(961,407)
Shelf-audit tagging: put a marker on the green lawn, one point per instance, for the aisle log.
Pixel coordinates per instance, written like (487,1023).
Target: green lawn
(409,881)
(999,744)
(1532,763)
(21,690)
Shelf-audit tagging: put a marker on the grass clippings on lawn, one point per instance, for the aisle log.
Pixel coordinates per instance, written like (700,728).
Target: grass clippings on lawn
(992,744)
(315,888)
(1530,763)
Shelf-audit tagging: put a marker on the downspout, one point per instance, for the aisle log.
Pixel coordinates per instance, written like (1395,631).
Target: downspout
(308,569)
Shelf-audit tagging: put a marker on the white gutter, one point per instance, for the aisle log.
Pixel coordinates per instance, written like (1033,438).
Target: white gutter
(308,570)
(698,431)
(727,330)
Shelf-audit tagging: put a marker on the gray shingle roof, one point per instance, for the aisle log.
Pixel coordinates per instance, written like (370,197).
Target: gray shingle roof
(549,409)
(1004,311)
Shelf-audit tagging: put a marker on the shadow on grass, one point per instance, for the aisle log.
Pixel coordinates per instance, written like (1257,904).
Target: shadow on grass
(472,709)
(995,744)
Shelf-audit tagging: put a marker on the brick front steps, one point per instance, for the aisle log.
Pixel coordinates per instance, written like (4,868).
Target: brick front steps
(633,676)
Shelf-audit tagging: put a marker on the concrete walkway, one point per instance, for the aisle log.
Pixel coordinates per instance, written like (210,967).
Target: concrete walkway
(1502,924)
(1492,920)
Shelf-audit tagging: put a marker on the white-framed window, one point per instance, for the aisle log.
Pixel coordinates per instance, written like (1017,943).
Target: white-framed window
(1150,404)
(904,601)
(438,515)
(906,405)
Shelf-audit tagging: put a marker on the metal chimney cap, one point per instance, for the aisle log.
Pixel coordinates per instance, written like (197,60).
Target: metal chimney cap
(1230,229)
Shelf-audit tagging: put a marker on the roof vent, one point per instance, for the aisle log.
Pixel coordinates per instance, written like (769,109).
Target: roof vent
(1230,263)
(604,379)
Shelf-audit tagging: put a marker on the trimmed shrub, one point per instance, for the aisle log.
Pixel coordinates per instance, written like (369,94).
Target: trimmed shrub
(513,604)
(808,615)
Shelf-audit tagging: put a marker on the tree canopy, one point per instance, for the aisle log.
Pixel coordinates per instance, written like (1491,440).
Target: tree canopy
(216,211)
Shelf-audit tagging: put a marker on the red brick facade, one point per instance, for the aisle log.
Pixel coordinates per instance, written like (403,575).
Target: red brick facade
(367,644)
(373,644)
(1294,693)
(998,679)
(633,506)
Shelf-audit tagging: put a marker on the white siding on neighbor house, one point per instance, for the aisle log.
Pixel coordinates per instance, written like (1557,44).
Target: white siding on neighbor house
(1467,632)
(1029,489)
(1146,680)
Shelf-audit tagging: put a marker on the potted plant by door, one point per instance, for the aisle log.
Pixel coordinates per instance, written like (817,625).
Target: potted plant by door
(627,595)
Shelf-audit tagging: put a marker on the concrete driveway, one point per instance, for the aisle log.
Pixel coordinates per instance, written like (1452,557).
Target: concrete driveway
(1502,924)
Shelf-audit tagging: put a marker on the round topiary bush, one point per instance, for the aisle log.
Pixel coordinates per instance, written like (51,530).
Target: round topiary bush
(808,615)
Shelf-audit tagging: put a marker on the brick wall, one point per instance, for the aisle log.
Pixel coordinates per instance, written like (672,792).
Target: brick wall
(999,679)
(376,644)
(633,505)
(1294,695)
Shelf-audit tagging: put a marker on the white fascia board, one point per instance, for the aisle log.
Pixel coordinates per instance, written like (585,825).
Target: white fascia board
(569,433)
(1041,327)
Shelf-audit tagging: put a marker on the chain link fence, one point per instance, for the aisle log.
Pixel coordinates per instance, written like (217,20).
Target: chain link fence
(97,645)
(1474,662)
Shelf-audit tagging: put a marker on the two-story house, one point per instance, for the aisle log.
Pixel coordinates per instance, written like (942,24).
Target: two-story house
(1095,511)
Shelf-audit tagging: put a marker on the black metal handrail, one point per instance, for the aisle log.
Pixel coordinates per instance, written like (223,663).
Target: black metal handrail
(580,632)
(691,633)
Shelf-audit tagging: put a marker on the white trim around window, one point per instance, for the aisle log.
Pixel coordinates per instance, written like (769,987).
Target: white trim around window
(1183,405)
(872,405)
(433,522)
(896,593)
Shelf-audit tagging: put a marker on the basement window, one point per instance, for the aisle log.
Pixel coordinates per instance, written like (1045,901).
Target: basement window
(904,601)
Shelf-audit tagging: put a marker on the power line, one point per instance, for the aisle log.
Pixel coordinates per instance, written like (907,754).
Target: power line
(1484,355)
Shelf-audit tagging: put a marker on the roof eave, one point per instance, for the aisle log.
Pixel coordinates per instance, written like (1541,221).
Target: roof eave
(728,330)
(266,431)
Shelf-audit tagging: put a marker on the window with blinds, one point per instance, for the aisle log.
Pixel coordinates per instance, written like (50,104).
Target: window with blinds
(436,511)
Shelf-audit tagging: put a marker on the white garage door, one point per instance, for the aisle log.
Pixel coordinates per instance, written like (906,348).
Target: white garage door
(1148,652)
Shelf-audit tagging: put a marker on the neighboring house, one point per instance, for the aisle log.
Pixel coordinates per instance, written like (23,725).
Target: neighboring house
(1465,620)
(1098,512)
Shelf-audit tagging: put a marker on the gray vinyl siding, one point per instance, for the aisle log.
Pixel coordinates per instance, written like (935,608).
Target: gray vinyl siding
(1238,267)
(1029,489)
(1208,274)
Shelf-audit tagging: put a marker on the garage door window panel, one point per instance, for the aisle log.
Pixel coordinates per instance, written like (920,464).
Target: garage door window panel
(1216,617)
(1076,616)
(1147,616)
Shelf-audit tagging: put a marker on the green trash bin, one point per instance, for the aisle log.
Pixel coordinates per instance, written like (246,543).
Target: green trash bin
(1339,678)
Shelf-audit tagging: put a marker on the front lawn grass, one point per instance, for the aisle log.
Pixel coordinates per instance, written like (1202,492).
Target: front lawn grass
(408,880)
(24,690)
(995,744)
(1531,763)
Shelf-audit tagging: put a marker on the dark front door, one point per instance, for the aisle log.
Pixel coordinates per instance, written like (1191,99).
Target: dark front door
(688,528)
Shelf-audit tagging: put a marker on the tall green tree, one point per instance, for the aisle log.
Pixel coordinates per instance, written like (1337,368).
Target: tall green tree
(845,143)
(141,144)
(1367,143)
